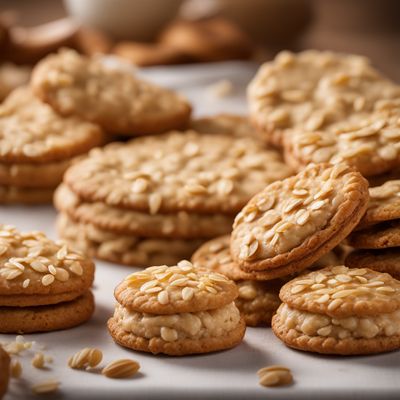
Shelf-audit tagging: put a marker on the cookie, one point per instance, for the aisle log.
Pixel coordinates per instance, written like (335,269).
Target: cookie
(176,310)
(12,76)
(177,172)
(21,195)
(339,310)
(292,223)
(53,317)
(43,136)
(213,39)
(379,236)
(123,249)
(111,97)
(382,260)
(366,141)
(4,371)
(312,90)
(384,204)
(181,225)
(36,271)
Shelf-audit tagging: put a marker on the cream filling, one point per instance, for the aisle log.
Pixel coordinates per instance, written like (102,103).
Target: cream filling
(256,297)
(197,325)
(340,328)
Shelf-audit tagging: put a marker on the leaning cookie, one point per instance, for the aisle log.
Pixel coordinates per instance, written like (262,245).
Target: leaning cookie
(339,310)
(176,310)
(4,371)
(111,97)
(293,223)
(381,260)
(42,281)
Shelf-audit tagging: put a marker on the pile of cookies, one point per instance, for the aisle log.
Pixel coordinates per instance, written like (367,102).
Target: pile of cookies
(377,237)
(154,200)
(176,310)
(44,286)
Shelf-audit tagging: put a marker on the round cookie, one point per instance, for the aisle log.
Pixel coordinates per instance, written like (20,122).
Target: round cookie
(124,249)
(384,204)
(176,310)
(379,236)
(177,171)
(382,260)
(292,223)
(43,136)
(311,90)
(182,224)
(36,271)
(339,310)
(63,315)
(111,97)
(4,371)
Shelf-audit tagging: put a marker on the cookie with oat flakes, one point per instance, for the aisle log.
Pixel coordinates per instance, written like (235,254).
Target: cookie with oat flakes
(176,310)
(123,249)
(312,90)
(339,310)
(177,171)
(292,223)
(38,275)
(114,97)
(4,371)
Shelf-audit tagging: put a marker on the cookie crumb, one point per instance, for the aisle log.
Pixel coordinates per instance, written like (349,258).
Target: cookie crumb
(38,361)
(121,369)
(275,375)
(85,358)
(16,369)
(48,386)
(221,88)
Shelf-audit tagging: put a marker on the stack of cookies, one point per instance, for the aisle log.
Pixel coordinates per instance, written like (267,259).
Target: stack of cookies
(176,310)
(37,146)
(377,237)
(43,285)
(328,107)
(154,200)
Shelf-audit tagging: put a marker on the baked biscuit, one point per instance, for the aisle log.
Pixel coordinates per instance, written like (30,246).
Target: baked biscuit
(4,371)
(181,225)
(124,249)
(177,171)
(382,260)
(113,98)
(311,90)
(339,310)
(39,276)
(176,310)
(294,222)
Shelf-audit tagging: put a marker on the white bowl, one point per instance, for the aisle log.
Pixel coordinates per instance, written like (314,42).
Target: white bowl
(125,19)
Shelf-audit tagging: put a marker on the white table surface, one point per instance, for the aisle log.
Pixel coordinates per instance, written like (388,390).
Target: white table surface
(229,374)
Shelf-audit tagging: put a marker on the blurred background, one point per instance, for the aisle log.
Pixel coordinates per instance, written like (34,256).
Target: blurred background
(167,32)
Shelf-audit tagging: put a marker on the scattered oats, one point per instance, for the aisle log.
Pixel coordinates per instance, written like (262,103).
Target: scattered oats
(85,358)
(221,88)
(48,386)
(275,375)
(38,360)
(121,369)
(15,369)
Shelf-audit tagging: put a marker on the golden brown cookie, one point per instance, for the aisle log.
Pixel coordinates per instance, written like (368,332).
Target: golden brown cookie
(292,223)
(311,91)
(111,97)
(181,225)
(177,171)
(52,317)
(36,271)
(4,371)
(213,39)
(124,249)
(339,310)
(176,310)
(382,260)
(43,136)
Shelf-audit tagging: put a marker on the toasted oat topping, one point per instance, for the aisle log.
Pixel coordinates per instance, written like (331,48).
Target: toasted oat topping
(178,171)
(30,256)
(275,375)
(123,368)
(332,287)
(312,89)
(288,212)
(30,129)
(181,281)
